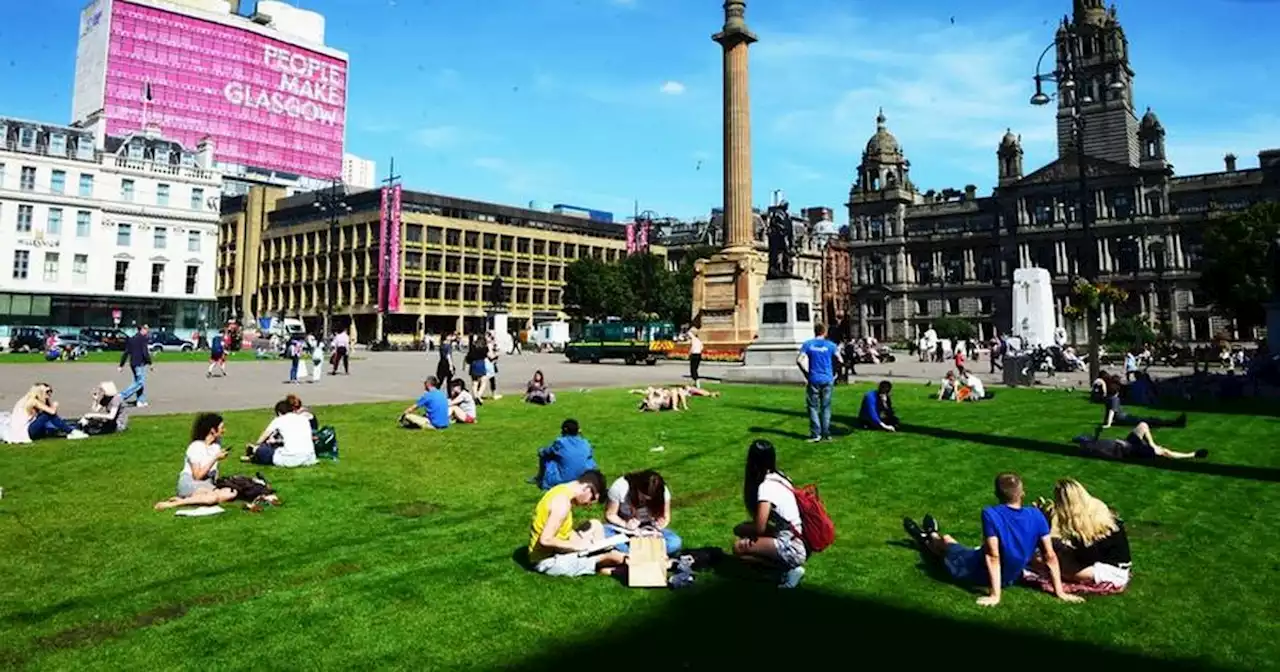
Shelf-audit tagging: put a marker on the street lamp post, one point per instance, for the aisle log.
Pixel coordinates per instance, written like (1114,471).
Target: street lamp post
(1066,77)
(332,202)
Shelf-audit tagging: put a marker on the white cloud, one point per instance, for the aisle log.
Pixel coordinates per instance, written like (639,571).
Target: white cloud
(672,88)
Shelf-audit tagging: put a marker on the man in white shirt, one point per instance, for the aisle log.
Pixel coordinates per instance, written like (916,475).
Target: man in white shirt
(977,391)
(930,342)
(341,347)
(286,442)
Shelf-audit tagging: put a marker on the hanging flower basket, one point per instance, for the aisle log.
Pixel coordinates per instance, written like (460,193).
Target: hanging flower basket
(1093,295)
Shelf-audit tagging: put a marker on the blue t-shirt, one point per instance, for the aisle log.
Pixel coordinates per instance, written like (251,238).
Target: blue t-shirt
(820,352)
(1019,532)
(436,405)
(215,345)
(870,410)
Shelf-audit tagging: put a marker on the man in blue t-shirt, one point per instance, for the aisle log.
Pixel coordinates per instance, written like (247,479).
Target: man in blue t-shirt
(567,458)
(434,405)
(877,411)
(817,362)
(1011,535)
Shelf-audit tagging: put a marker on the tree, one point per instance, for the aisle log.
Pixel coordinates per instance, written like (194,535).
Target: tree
(953,328)
(591,289)
(637,287)
(1128,333)
(1237,274)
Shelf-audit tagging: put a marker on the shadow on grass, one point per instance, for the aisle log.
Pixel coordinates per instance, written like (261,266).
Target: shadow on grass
(723,624)
(1266,474)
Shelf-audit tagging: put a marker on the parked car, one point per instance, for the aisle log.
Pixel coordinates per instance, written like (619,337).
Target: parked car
(111,339)
(167,342)
(27,339)
(88,343)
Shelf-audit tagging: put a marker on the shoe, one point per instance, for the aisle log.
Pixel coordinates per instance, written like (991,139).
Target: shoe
(827,438)
(208,374)
(1181,421)
(792,578)
(142,404)
(496,397)
(1202,453)
(813,439)
(77,434)
(929,524)
(913,530)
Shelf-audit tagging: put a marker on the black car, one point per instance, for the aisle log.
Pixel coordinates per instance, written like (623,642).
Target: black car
(111,339)
(27,339)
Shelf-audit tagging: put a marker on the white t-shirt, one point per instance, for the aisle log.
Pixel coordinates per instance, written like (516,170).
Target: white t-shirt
(695,345)
(975,384)
(18,422)
(618,493)
(777,491)
(202,454)
(466,403)
(317,351)
(298,449)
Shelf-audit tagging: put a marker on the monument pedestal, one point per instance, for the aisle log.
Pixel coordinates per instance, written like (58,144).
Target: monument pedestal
(786,321)
(725,298)
(497,323)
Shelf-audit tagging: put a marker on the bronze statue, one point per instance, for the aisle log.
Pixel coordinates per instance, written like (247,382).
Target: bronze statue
(498,292)
(782,242)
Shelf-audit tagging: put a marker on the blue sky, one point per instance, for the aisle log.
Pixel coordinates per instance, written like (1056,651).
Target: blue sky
(600,103)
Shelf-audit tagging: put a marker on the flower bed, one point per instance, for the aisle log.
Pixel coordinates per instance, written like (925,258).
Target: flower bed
(681,351)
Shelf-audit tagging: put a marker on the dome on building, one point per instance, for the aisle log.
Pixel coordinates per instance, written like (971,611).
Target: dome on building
(883,142)
(1009,139)
(1150,120)
(825,230)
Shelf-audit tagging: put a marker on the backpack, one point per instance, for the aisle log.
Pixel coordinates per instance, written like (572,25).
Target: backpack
(325,441)
(248,488)
(819,531)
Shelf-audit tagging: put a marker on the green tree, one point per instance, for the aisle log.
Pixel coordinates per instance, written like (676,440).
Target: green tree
(1128,333)
(590,289)
(954,328)
(1237,275)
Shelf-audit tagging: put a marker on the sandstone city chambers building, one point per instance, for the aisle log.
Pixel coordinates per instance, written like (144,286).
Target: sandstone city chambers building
(910,257)
(275,253)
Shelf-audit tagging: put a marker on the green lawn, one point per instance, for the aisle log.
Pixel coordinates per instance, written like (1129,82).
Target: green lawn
(401,555)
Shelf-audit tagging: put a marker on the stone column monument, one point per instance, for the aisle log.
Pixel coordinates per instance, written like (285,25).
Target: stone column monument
(726,287)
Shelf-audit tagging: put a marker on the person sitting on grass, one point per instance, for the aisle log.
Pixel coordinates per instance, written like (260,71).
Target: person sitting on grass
(1138,445)
(1091,543)
(773,536)
(567,458)
(554,542)
(286,442)
(296,403)
(1011,534)
(434,405)
(200,468)
(107,414)
(641,501)
(877,409)
(462,406)
(949,387)
(972,389)
(1114,413)
(41,412)
(538,392)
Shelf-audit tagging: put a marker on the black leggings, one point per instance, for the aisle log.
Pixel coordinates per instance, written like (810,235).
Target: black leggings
(694,362)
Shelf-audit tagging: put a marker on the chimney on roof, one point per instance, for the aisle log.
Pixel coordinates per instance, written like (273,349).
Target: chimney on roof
(1230,160)
(970,192)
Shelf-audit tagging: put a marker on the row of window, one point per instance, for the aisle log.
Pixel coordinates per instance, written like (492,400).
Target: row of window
(80,271)
(128,187)
(124,232)
(437,235)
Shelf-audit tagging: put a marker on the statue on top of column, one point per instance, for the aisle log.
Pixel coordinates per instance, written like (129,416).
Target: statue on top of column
(782,242)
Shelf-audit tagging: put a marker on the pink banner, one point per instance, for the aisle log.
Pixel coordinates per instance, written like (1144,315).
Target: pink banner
(642,244)
(382,250)
(631,239)
(393,293)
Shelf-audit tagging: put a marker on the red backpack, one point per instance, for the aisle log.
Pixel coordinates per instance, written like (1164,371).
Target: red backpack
(819,531)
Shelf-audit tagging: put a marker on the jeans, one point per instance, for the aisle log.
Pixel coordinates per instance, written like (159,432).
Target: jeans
(818,401)
(45,425)
(293,370)
(138,386)
(673,540)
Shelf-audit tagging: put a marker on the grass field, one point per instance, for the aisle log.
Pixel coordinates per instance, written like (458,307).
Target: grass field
(401,554)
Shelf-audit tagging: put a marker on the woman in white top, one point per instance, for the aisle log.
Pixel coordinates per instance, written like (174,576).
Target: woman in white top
(774,533)
(639,500)
(317,358)
(948,390)
(42,419)
(286,442)
(200,468)
(462,406)
(695,356)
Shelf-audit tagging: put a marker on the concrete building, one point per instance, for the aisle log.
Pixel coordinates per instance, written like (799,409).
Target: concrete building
(89,235)
(275,259)
(359,173)
(914,256)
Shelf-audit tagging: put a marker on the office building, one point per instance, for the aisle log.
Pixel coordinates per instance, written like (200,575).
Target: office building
(359,173)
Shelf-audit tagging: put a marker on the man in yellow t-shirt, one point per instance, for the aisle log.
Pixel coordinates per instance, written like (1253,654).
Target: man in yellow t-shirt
(554,544)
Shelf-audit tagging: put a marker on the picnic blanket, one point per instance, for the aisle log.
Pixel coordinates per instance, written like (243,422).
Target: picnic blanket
(1046,584)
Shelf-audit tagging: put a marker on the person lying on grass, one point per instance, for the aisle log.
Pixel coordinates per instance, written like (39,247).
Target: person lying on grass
(1090,540)
(1140,444)
(200,468)
(663,399)
(462,406)
(434,405)
(773,536)
(565,459)
(555,543)
(1011,533)
(286,442)
(641,501)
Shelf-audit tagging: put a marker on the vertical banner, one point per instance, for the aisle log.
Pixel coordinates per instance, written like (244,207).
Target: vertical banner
(393,289)
(631,239)
(642,241)
(382,250)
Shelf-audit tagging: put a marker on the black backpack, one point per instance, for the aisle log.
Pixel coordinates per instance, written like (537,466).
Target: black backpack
(248,488)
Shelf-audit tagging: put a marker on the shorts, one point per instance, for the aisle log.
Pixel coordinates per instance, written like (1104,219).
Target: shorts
(1116,576)
(791,550)
(964,563)
(567,564)
(1138,449)
(218,358)
(188,485)
(469,420)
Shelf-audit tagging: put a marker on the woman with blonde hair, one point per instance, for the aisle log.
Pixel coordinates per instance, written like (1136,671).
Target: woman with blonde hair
(36,417)
(1090,540)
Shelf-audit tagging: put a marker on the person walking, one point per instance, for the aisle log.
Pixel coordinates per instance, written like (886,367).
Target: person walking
(695,356)
(341,347)
(137,352)
(317,358)
(817,360)
(217,356)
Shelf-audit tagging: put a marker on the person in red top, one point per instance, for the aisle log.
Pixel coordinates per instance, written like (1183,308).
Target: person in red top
(959,356)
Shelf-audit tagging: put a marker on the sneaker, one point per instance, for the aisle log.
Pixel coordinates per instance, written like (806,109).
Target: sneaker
(1202,453)
(929,524)
(496,397)
(792,577)
(827,438)
(814,439)
(913,530)
(142,404)
(77,434)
